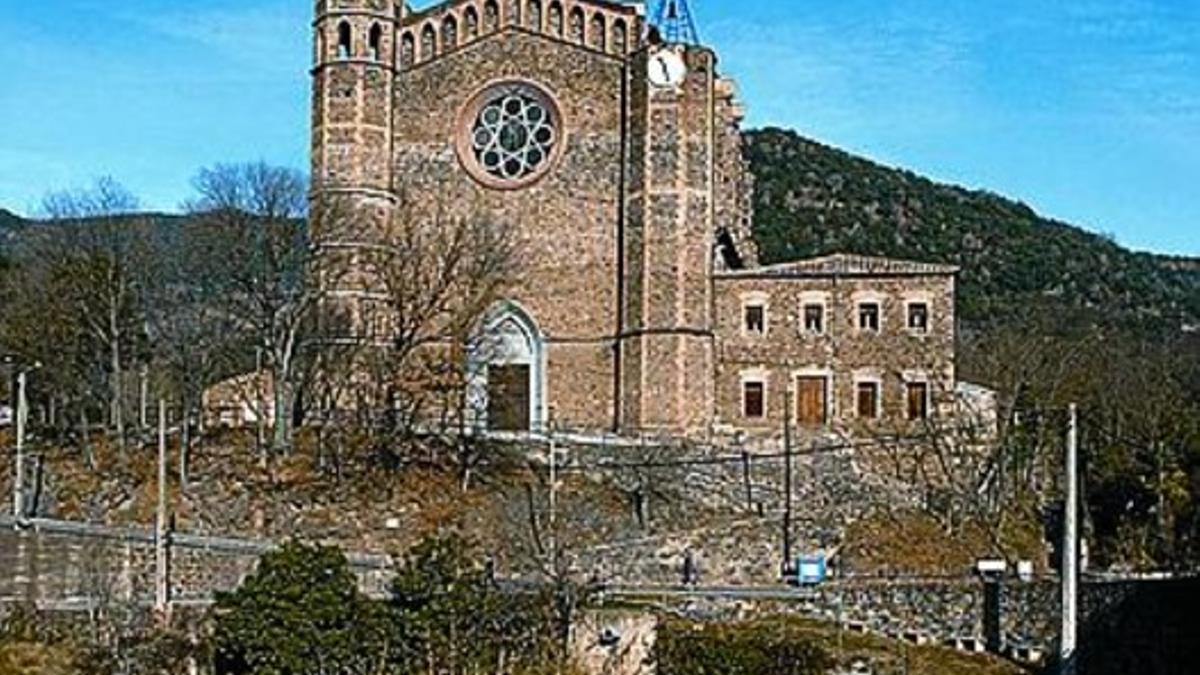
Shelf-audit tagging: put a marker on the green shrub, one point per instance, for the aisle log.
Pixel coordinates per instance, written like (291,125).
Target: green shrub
(758,648)
(301,612)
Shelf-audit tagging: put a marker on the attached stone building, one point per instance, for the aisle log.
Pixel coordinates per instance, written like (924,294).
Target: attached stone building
(842,342)
(617,162)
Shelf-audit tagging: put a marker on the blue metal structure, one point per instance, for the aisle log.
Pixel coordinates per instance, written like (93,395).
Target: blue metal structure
(675,23)
(811,570)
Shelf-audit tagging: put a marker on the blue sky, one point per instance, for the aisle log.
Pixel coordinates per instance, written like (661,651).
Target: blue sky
(1089,110)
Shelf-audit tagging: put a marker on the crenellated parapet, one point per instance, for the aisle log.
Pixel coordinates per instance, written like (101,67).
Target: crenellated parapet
(610,28)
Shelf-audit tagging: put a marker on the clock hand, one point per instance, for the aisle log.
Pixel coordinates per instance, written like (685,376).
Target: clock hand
(666,71)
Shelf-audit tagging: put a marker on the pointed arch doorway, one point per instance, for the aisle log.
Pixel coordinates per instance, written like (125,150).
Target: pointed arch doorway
(508,373)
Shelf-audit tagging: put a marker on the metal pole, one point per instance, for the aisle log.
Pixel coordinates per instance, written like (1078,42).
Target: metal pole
(787,481)
(259,408)
(553,502)
(20,412)
(160,525)
(1070,550)
(143,398)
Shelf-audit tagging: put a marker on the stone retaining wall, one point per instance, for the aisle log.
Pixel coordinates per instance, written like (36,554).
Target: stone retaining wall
(61,564)
(64,565)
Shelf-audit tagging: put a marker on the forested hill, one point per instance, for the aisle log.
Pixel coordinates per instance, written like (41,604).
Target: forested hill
(811,199)
(9,222)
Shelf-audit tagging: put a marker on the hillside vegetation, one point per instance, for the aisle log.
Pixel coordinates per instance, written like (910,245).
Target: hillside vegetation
(8,219)
(9,223)
(201,297)
(811,200)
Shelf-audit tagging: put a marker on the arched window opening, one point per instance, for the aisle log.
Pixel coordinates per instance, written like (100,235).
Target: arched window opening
(506,367)
(345,40)
(449,33)
(533,15)
(597,31)
(554,19)
(408,49)
(471,23)
(491,16)
(577,25)
(428,43)
(375,42)
(620,37)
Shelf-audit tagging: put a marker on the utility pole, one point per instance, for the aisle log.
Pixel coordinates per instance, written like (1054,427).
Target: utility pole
(143,398)
(1070,550)
(787,482)
(553,499)
(21,413)
(160,526)
(260,408)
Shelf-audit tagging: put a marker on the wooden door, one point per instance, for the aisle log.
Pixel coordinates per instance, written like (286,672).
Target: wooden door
(508,398)
(811,402)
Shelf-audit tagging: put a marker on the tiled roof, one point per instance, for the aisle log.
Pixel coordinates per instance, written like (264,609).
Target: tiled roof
(842,264)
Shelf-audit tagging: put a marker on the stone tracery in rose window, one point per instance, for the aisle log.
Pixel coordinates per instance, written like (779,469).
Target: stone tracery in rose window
(513,134)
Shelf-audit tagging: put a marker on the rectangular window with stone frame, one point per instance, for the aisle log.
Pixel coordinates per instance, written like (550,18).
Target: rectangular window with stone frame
(917,394)
(754,404)
(918,317)
(814,319)
(755,319)
(867,400)
(868,317)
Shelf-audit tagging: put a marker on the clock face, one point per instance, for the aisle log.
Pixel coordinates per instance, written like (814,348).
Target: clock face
(666,69)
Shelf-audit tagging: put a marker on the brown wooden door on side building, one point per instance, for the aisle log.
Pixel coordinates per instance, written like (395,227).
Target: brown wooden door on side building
(508,398)
(811,402)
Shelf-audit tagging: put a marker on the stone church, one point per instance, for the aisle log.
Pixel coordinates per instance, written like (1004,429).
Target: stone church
(613,148)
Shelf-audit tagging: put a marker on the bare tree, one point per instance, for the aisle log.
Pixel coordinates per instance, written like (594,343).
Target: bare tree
(90,258)
(414,283)
(192,334)
(648,474)
(256,214)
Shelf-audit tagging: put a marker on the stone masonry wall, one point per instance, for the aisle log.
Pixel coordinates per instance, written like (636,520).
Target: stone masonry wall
(564,225)
(843,353)
(61,564)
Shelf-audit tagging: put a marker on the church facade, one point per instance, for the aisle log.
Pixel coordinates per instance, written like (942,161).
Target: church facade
(616,159)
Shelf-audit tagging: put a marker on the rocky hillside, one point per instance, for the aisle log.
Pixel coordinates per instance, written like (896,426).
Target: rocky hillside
(812,200)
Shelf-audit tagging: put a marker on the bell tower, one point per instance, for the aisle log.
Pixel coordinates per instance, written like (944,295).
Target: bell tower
(668,338)
(354,75)
(684,202)
(353,79)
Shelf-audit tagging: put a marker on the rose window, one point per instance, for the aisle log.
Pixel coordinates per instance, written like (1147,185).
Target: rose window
(513,134)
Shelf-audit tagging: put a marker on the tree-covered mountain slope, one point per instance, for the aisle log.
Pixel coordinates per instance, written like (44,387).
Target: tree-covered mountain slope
(9,223)
(811,200)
